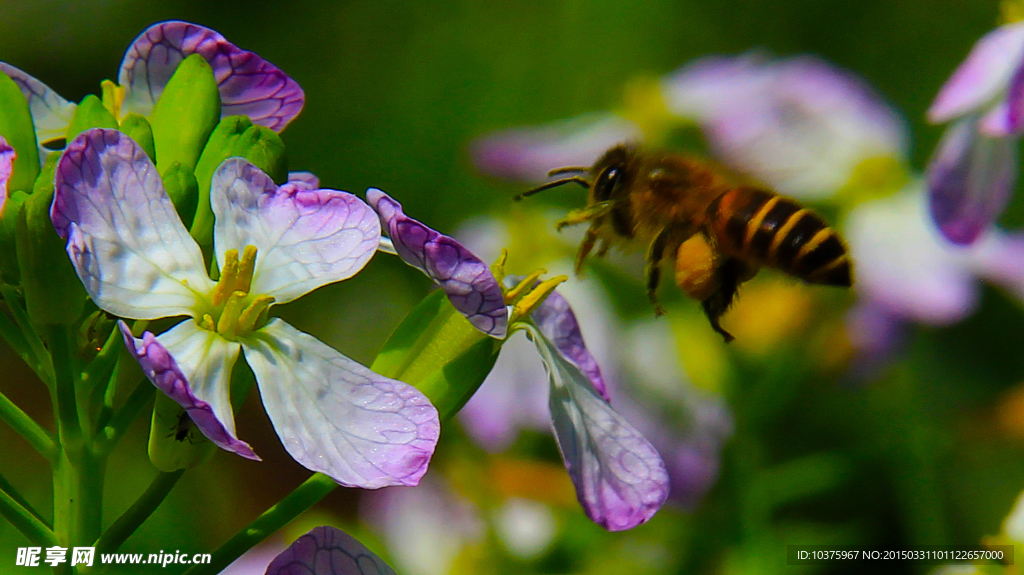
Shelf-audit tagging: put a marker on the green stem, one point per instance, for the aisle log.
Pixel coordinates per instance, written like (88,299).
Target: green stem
(43,367)
(6,487)
(137,514)
(294,504)
(110,432)
(25,521)
(69,429)
(40,439)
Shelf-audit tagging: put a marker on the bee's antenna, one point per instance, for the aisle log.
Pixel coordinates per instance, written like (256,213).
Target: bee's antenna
(575,179)
(568,170)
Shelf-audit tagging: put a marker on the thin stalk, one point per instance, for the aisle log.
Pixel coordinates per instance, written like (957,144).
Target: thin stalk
(69,428)
(110,432)
(136,515)
(40,439)
(6,487)
(26,521)
(35,343)
(294,504)
(14,338)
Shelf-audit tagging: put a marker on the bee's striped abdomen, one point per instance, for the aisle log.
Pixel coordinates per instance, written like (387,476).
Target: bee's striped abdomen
(767,229)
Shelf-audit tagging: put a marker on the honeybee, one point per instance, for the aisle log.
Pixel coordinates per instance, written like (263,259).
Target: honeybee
(719,233)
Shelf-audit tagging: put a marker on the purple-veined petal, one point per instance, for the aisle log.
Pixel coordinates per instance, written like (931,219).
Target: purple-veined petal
(126,241)
(307,180)
(970,179)
(983,76)
(529,153)
(51,114)
(193,360)
(619,477)
(468,281)
(7,156)
(304,238)
(337,417)
(249,85)
(557,322)
(327,550)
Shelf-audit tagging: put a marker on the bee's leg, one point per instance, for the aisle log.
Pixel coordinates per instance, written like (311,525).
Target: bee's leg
(586,214)
(584,251)
(697,264)
(729,276)
(602,250)
(655,255)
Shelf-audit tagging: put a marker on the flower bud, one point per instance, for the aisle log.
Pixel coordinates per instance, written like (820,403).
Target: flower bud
(186,113)
(8,230)
(137,128)
(183,189)
(91,113)
(17,128)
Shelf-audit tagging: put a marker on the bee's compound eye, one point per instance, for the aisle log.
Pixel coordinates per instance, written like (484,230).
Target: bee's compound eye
(606,183)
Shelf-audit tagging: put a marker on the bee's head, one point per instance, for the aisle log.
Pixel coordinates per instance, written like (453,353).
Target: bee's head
(612,173)
(609,177)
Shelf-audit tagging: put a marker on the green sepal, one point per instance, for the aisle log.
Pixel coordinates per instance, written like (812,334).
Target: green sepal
(436,350)
(137,127)
(17,128)
(235,136)
(174,441)
(8,233)
(186,113)
(91,113)
(183,189)
(53,292)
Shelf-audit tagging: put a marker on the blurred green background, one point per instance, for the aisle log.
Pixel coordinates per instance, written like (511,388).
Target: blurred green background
(395,92)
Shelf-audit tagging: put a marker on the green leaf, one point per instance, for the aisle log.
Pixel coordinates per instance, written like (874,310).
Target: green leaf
(137,127)
(219,147)
(186,114)
(53,292)
(8,233)
(437,351)
(183,189)
(17,128)
(90,114)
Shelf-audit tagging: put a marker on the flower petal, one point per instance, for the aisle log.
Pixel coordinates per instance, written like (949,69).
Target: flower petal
(970,179)
(903,263)
(529,153)
(557,322)
(304,238)
(249,85)
(619,477)
(468,281)
(308,180)
(336,416)
(982,76)
(328,551)
(7,156)
(125,239)
(51,114)
(188,363)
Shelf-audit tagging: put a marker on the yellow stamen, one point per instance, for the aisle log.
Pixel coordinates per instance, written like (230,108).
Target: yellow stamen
(532,300)
(254,313)
(207,323)
(243,282)
(228,276)
(228,324)
(498,267)
(113,98)
(513,295)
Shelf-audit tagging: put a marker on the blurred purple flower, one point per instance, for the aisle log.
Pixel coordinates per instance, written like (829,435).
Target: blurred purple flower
(328,550)
(7,156)
(425,527)
(465,278)
(798,124)
(248,85)
(906,272)
(973,170)
(137,261)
